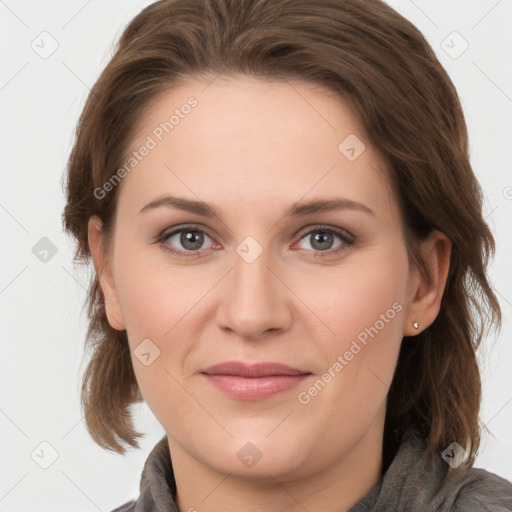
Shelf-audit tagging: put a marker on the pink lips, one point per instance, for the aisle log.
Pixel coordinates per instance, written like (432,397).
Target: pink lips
(253,382)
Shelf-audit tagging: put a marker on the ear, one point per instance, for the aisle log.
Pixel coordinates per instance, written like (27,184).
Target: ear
(426,293)
(104,272)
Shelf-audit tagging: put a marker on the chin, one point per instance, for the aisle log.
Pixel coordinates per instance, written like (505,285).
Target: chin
(260,458)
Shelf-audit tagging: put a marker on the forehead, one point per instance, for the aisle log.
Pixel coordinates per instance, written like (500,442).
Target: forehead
(249,138)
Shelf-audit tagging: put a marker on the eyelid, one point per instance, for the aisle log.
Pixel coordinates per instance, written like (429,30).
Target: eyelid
(167,232)
(325,227)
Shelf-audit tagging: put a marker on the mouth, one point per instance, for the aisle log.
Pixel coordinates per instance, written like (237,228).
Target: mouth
(253,382)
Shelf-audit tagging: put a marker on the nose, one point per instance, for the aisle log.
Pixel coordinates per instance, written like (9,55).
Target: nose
(254,300)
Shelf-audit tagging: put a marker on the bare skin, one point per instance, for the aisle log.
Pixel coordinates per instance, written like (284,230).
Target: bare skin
(252,148)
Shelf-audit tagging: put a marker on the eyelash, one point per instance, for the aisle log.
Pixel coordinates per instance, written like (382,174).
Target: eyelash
(348,240)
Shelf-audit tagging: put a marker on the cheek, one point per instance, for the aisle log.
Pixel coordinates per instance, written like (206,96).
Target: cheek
(155,296)
(356,297)
(363,308)
(166,305)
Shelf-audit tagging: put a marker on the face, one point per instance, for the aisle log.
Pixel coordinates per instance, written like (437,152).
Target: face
(325,290)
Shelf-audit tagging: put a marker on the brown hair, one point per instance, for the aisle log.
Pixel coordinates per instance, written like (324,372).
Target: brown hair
(382,66)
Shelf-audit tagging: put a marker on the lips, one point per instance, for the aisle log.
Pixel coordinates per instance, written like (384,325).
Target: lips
(253,382)
(252,371)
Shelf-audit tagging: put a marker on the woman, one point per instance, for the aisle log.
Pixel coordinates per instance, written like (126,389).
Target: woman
(290,261)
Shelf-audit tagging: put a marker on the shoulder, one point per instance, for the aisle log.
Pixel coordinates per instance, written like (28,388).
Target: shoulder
(483,491)
(129,506)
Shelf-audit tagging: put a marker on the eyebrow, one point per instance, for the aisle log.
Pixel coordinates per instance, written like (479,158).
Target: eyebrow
(297,209)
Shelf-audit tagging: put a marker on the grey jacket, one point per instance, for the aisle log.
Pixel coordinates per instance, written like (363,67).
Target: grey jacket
(410,484)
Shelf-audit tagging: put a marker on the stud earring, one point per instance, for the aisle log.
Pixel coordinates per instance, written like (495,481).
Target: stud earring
(416,325)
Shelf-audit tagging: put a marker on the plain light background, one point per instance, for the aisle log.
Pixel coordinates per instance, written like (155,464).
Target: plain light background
(42,324)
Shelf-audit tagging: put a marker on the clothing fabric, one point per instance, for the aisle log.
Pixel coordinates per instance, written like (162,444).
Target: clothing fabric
(410,484)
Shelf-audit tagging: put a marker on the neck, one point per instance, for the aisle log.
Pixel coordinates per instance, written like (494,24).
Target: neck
(335,488)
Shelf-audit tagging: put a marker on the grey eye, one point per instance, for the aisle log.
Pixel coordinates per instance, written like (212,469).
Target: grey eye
(189,239)
(321,240)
